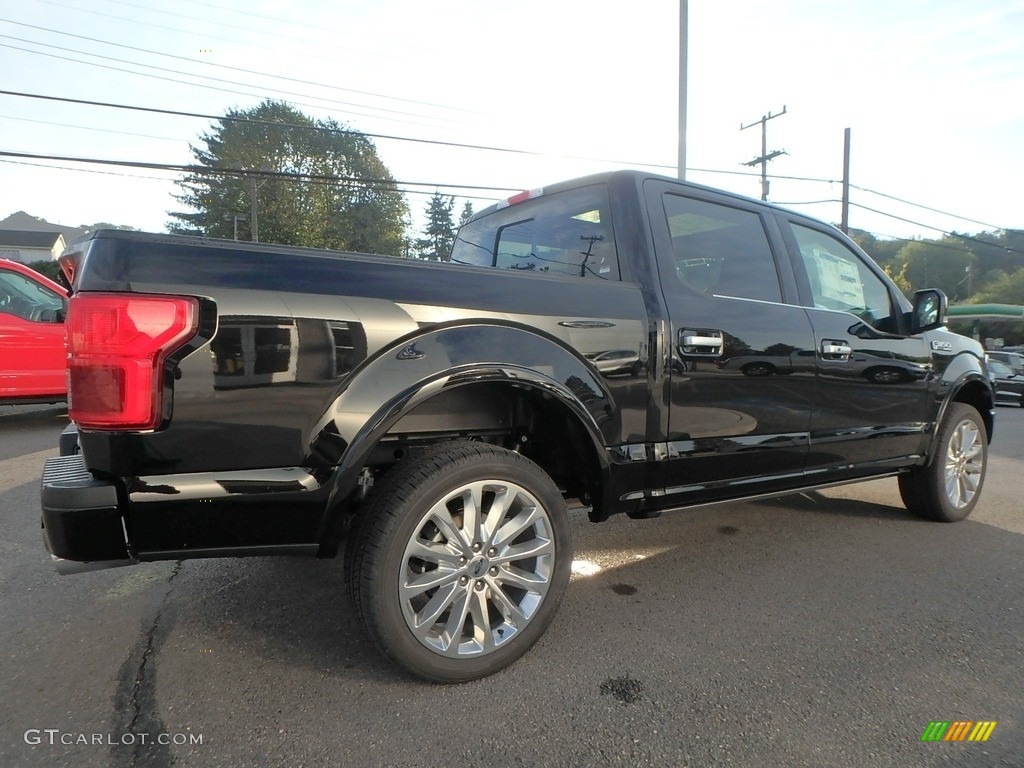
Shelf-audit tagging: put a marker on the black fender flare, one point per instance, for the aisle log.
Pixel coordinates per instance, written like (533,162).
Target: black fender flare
(964,374)
(426,362)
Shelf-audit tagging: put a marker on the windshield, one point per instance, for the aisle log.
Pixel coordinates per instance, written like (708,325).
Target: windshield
(999,369)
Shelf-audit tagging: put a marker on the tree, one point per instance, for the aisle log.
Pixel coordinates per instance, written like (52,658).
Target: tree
(467,213)
(1007,289)
(931,264)
(884,252)
(107,225)
(316,184)
(440,231)
(48,268)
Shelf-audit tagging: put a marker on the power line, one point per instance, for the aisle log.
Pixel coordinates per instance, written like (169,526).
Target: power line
(925,207)
(234,69)
(389,137)
(930,243)
(808,202)
(253,14)
(750,174)
(86,170)
(938,229)
(88,128)
(338,131)
(209,35)
(199,170)
(164,179)
(203,77)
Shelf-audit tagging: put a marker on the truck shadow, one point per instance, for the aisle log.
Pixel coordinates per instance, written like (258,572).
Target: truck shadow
(33,416)
(295,611)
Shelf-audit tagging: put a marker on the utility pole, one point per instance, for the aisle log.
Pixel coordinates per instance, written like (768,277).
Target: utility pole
(845,222)
(255,214)
(765,155)
(683,52)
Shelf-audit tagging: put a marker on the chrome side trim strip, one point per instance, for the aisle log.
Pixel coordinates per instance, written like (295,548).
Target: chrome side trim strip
(659,493)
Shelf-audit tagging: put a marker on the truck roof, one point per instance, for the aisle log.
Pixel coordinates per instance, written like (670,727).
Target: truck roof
(636,176)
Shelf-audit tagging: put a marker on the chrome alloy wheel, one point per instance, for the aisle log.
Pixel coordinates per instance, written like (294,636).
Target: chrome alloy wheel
(477,568)
(965,459)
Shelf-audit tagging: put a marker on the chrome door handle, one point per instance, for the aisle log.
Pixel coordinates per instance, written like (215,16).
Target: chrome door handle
(702,341)
(836,350)
(694,342)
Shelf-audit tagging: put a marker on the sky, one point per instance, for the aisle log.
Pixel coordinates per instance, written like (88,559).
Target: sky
(931,90)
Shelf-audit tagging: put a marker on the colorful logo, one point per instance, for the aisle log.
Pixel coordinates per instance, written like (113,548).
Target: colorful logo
(958,730)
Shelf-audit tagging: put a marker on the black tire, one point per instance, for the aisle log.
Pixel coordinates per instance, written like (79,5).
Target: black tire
(759,368)
(492,599)
(949,486)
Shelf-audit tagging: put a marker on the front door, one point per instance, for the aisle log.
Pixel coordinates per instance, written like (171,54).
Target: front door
(872,407)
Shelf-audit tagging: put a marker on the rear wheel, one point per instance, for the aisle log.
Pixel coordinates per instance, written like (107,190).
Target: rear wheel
(461,561)
(948,488)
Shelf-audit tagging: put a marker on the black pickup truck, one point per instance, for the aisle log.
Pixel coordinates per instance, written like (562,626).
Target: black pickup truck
(626,342)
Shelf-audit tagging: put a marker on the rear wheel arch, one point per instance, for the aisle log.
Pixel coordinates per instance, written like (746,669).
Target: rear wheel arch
(542,420)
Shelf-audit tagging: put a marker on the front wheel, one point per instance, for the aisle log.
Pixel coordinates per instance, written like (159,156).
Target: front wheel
(461,561)
(948,488)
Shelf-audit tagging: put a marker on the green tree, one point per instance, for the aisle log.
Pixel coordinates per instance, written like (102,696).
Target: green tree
(350,203)
(931,264)
(440,231)
(1006,289)
(883,252)
(48,268)
(467,213)
(107,225)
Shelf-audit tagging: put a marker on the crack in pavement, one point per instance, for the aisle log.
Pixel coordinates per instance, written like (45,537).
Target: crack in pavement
(136,721)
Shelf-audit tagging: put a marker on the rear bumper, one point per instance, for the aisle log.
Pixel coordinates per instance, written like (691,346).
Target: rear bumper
(82,526)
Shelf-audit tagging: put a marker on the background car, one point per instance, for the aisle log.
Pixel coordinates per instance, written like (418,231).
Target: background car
(1014,360)
(32,356)
(617,361)
(1009,385)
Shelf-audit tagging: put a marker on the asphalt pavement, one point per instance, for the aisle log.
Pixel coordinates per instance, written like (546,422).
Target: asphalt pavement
(825,629)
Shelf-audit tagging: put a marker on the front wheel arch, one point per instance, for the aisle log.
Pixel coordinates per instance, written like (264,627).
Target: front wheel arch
(949,486)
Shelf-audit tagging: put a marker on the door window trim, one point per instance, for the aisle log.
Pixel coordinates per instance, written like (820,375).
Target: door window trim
(654,191)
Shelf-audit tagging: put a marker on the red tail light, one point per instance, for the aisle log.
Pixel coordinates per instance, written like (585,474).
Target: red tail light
(117,346)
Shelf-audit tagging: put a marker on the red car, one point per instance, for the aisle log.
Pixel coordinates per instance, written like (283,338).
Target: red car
(32,356)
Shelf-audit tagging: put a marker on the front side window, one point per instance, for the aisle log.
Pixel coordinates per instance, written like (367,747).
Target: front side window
(568,233)
(720,250)
(840,280)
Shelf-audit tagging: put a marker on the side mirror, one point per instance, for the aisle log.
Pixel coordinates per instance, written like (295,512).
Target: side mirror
(929,310)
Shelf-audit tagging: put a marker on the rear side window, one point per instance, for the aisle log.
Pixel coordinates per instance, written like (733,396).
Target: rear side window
(720,250)
(568,233)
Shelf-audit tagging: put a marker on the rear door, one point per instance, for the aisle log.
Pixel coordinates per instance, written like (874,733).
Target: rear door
(872,406)
(741,357)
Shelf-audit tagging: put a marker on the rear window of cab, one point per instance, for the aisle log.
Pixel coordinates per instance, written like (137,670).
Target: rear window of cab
(568,234)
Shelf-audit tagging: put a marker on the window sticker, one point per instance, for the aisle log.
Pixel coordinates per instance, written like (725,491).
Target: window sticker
(839,279)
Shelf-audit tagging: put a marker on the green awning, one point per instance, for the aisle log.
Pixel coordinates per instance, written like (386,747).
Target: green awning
(986,312)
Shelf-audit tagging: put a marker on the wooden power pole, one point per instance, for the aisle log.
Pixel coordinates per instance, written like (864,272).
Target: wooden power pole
(765,155)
